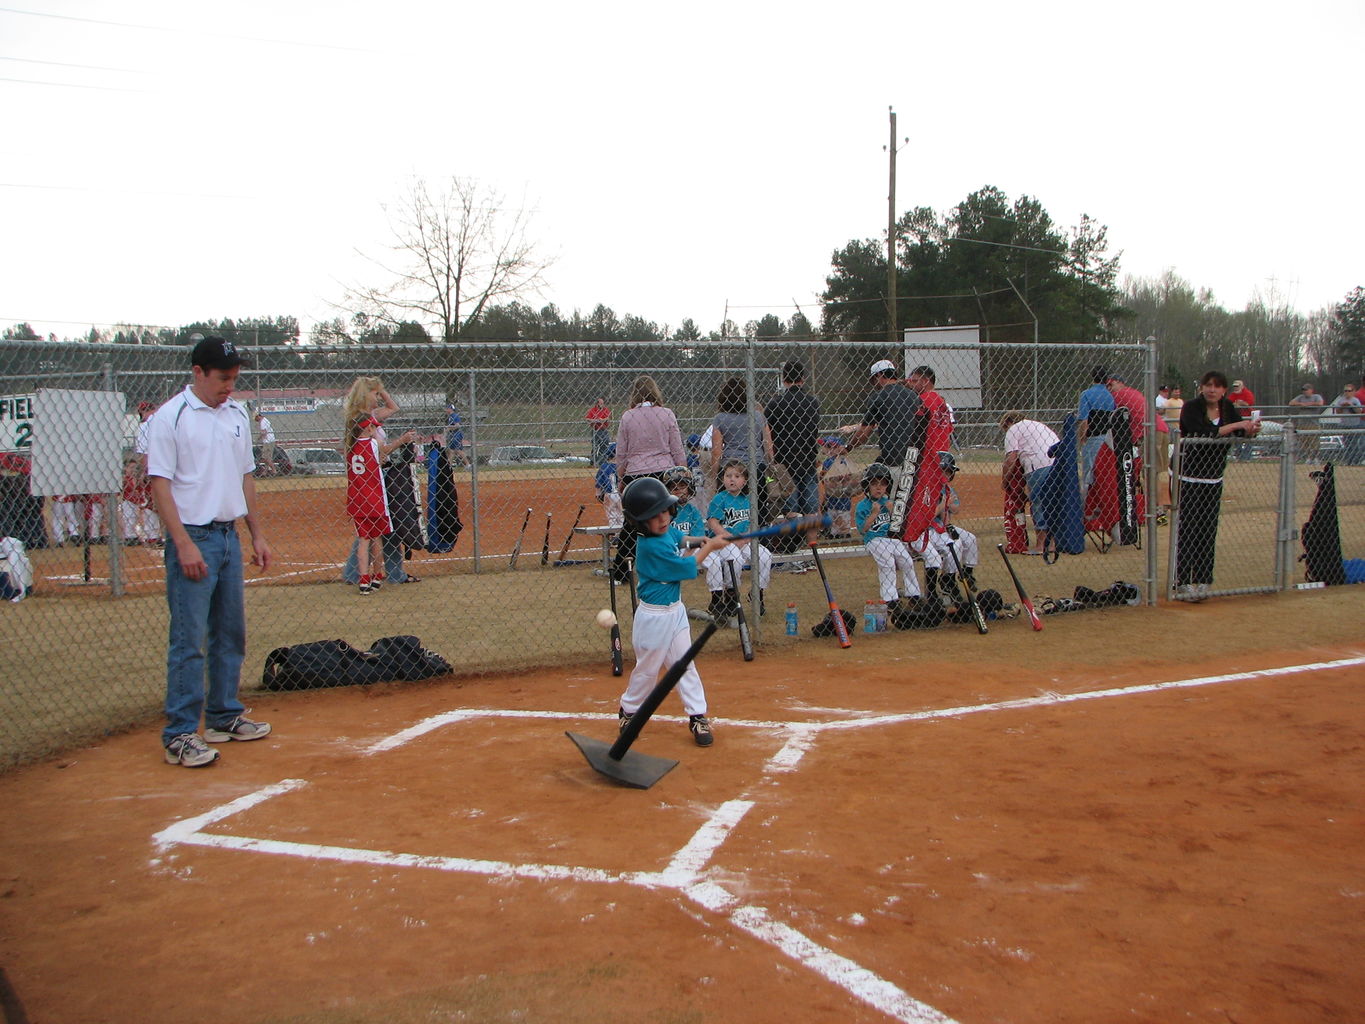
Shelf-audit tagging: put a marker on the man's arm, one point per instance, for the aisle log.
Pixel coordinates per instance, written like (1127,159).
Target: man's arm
(260,550)
(860,434)
(187,552)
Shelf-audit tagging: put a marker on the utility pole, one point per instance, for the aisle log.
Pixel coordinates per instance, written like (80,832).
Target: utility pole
(891,240)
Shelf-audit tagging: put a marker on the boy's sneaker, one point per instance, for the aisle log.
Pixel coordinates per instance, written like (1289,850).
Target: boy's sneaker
(238,729)
(701,730)
(622,719)
(189,750)
(367,588)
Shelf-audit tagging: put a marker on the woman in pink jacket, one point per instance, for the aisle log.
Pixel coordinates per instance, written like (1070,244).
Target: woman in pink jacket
(648,442)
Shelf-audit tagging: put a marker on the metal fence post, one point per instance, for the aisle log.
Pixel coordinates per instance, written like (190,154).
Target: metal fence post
(1151,472)
(1285,530)
(474,469)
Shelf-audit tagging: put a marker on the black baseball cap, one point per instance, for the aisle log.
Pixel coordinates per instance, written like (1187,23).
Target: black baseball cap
(218,354)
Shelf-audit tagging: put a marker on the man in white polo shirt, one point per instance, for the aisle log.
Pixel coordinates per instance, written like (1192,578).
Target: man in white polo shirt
(200,463)
(1027,445)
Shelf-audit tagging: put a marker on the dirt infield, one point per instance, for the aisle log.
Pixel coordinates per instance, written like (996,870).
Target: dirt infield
(1017,827)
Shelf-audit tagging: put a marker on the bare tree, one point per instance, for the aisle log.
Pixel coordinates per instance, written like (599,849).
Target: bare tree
(454,252)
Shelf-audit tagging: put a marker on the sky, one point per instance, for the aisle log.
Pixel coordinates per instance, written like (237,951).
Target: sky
(169,162)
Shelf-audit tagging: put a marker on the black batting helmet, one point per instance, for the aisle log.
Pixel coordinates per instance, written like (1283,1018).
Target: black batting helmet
(947,463)
(876,471)
(645,498)
(676,474)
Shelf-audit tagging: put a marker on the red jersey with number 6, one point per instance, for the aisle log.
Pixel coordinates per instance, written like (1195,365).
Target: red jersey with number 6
(365,495)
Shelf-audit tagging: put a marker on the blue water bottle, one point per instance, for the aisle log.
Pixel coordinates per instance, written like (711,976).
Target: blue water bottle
(869,618)
(792,629)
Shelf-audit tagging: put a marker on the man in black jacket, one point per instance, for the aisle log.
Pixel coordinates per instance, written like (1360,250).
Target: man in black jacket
(794,418)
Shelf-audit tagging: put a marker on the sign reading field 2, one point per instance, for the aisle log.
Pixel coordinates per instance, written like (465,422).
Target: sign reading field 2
(16,423)
(954,354)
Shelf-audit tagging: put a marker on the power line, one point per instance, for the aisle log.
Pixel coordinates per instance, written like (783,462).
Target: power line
(189,31)
(66,64)
(73,85)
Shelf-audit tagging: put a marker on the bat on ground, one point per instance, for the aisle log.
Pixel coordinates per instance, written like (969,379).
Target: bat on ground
(616,668)
(516,551)
(746,642)
(783,527)
(564,551)
(835,615)
(545,547)
(1019,589)
(978,616)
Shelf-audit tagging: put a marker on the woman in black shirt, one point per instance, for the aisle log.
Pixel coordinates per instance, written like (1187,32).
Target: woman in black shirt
(1210,415)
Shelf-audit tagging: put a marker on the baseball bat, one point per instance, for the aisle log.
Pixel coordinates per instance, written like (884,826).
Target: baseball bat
(782,527)
(978,616)
(746,643)
(564,551)
(1019,589)
(545,547)
(835,615)
(516,550)
(616,668)
(630,574)
(656,696)
(905,487)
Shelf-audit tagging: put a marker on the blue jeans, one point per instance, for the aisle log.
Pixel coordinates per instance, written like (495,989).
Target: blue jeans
(1034,483)
(393,562)
(208,624)
(1090,450)
(806,497)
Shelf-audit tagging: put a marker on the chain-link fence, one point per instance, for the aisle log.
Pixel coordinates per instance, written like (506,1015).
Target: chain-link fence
(507,499)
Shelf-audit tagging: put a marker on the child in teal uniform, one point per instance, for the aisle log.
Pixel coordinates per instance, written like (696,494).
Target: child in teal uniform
(872,516)
(729,513)
(660,634)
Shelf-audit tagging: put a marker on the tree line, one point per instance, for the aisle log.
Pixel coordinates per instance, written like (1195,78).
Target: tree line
(462,261)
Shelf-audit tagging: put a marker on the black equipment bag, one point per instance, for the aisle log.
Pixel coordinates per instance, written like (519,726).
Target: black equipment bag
(324,663)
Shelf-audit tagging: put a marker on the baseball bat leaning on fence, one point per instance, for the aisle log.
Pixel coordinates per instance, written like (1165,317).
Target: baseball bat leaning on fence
(545,547)
(615,630)
(746,643)
(978,616)
(516,549)
(564,551)
(1019,589)
(836,616)
(781,528)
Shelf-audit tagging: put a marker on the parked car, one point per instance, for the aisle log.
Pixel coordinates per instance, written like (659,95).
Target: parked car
(318,461)
(283,465)
(533,455)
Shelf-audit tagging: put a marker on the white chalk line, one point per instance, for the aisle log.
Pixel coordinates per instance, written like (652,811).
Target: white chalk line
(685,872)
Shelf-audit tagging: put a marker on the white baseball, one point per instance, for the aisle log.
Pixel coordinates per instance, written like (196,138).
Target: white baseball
(606,619)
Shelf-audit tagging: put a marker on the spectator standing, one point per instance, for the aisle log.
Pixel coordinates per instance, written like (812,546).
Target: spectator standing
(599,427)
(1028,444)
(735,437)
(1202,465)
(891,412)
(648,442)
(1346,411)
(1244,401)
(268,467)
(149,518)
(1307,398)
(454,435)
(199,460)
(794,420)
(1092,426)
(1163,398)
(369,397)
(1171,410)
